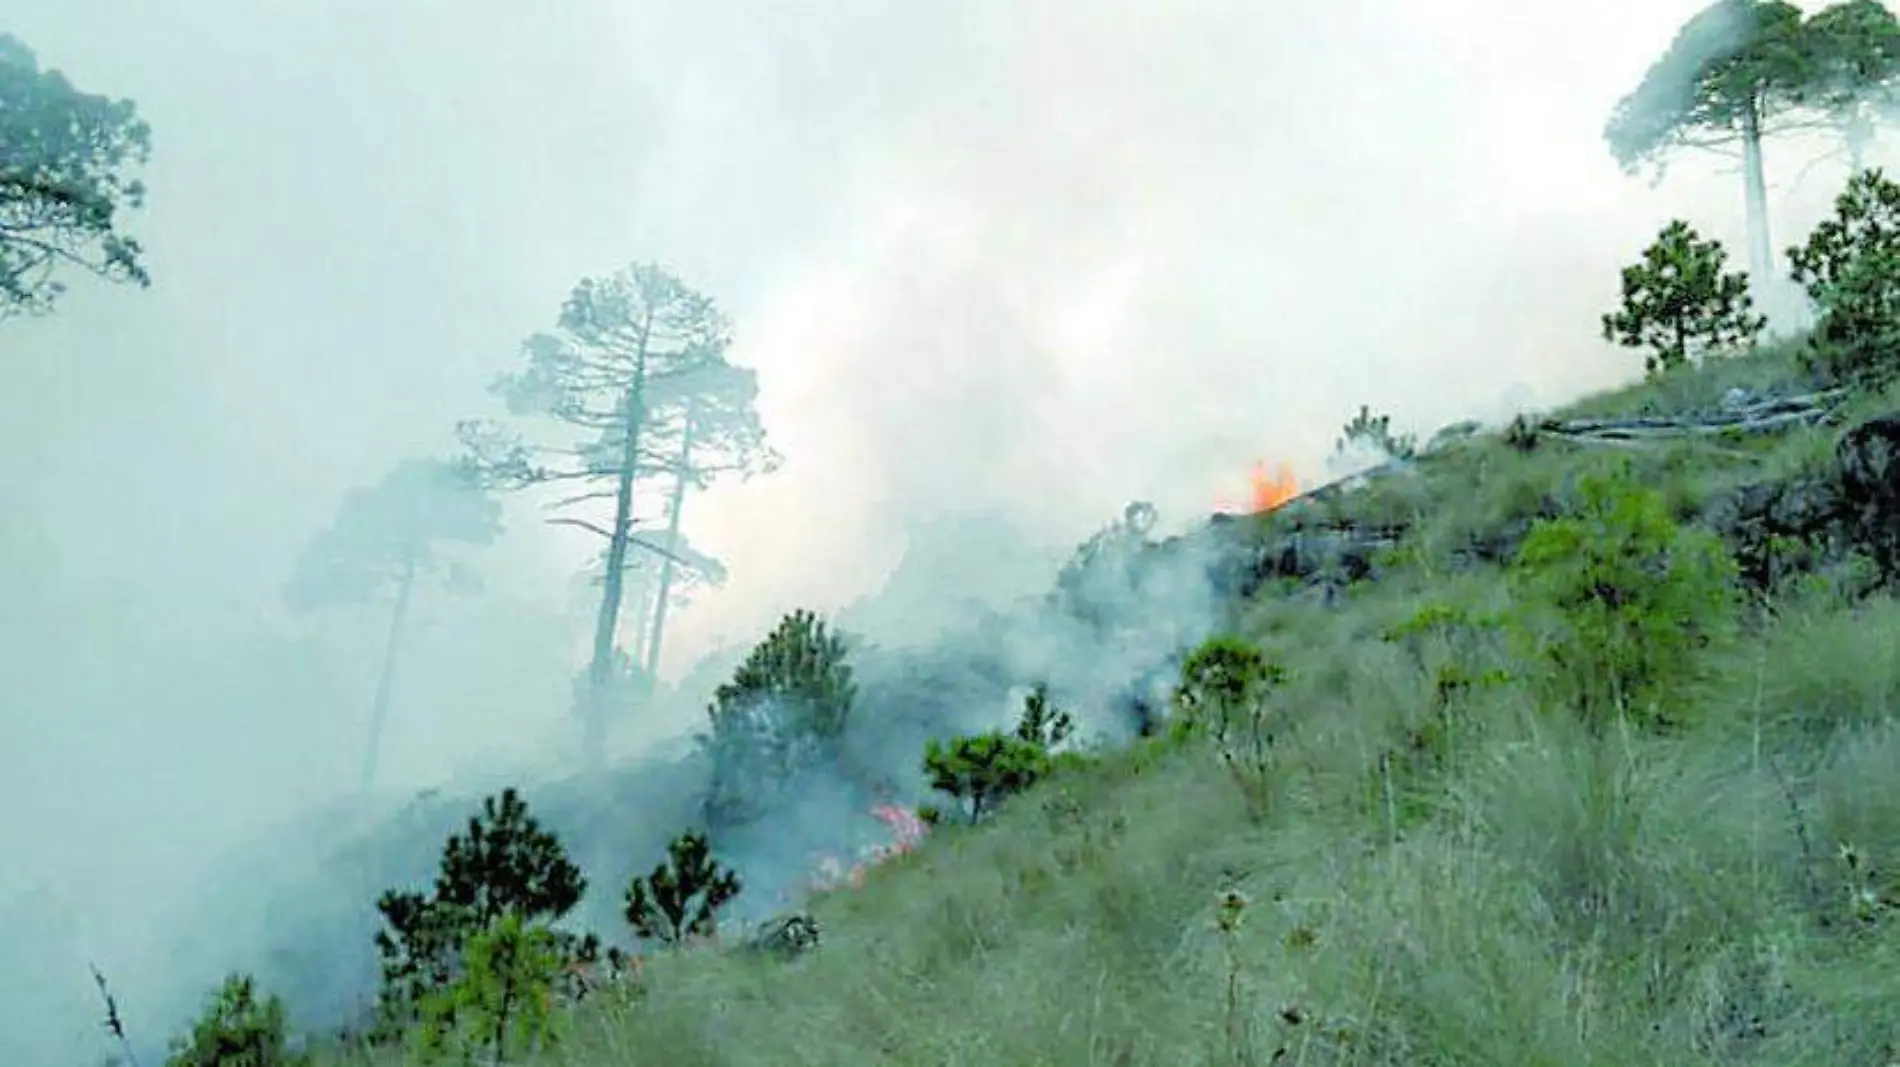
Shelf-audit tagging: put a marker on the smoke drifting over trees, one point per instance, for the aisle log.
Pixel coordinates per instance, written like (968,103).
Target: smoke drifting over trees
(957,261)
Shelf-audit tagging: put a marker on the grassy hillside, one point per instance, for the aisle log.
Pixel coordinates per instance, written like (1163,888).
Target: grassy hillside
(1471,879)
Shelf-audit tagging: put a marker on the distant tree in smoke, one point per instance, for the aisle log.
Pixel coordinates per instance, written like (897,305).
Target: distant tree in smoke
(636,360)
(1376,433)
(1097,582)
(686,571)
(784,712)
(1857,71)
(65,163)
(1741,71)
(720,433)
(387,537)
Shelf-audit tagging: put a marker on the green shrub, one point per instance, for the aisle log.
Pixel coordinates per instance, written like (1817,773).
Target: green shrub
(980,771)
(1447,645)
(1222,696)
(1850,268)
(681,898)
(1617,599)
(502,1003)
(238,1029)
(784,711)
(1442,641)
(1680,304)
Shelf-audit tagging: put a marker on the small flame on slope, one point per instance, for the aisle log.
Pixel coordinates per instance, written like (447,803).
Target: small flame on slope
(1272,488)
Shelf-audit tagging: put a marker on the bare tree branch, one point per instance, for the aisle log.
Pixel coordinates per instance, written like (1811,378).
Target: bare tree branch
(114,1025)
(566,520)
(579,498)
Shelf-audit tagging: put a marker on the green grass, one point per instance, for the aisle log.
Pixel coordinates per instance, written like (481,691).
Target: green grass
(1486,885)
(1772,369)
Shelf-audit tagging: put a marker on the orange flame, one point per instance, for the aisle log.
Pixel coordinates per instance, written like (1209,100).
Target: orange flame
(1273,488)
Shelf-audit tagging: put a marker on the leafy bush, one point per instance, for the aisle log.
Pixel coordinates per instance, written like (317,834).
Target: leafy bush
(981,770)
(784,710)
(1680,304)
(1375,433)
(238,1028)
(505,864)
(1223,697)
(682,897)
(1617,598)
(1447,645)
(1850,268)
(503,1000)
(1441,640)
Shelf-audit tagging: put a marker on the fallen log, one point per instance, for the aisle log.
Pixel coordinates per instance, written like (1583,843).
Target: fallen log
(1686,428)
(1762,417)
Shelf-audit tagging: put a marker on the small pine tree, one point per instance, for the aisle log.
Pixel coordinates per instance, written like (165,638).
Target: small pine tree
(1043,723)
(1850,268)
(505,863)
(785,710)
(1376,433)
(502,1002)
(1617,598)
(682,897)
(1223,697)
(238,1029)
(981,770)
(1680,304)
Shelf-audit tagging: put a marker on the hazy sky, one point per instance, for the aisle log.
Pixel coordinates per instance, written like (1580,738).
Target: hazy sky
(1039,256)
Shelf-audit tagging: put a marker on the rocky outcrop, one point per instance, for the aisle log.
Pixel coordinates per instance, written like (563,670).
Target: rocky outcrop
(1780,527)
(1868,457)
(784,937)
(1791,524)
(1322,556)
(1776,526)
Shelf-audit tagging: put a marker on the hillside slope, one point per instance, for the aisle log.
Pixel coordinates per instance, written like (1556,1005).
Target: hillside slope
(1465,880)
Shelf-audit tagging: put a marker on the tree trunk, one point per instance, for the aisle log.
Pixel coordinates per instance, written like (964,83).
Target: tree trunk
(385,684)
(600,667)
(672,547)
(504,1010)
(1761,259)
(1858,132)
(642,606)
